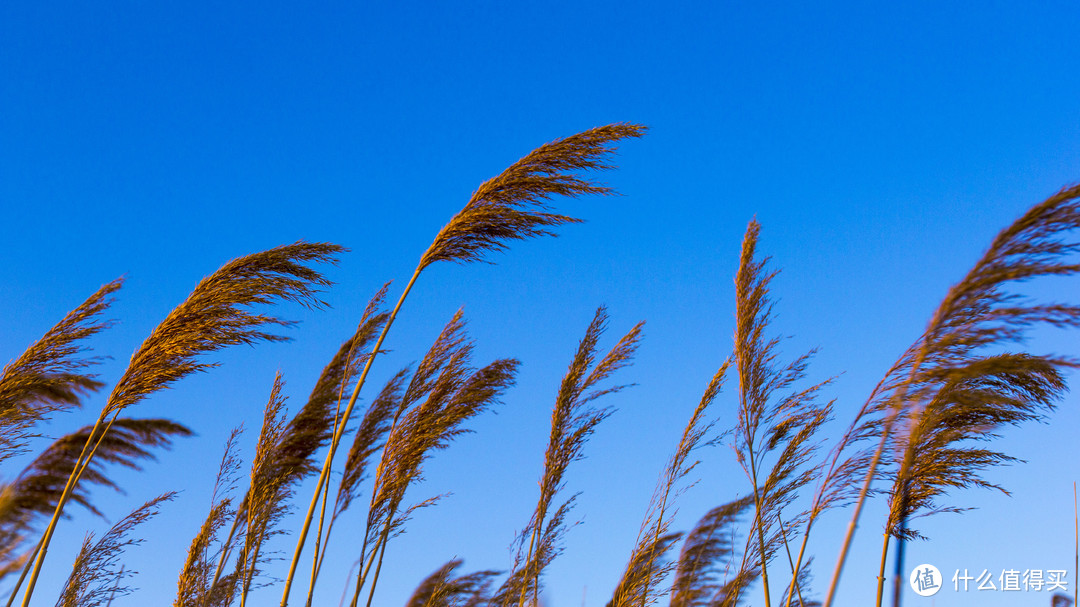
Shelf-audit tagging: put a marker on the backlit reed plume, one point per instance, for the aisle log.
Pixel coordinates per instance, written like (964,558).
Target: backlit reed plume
(452,393)
(706,557)
(198,585)
(50,375)
(573,420)
(939,453)
(33,494)
(269,489)
(768,423)
(977,314)
(511,206)
(796,590)
(214,316)
(520,582)
(36,491)
(646,570)
(442,589)
(94,578)
(372,430)
(312,426)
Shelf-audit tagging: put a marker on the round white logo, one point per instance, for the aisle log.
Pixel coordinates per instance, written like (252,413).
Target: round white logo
(925,580)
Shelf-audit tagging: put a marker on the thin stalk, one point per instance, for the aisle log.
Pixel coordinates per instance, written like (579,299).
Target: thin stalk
(898,569)
(249,575)
(794,572)
(322,554)
(758,504)
(656,538)
(886,431)
(345,590)
(854,519)
(224,555)
(361,575)
(115,587)
(317,556)
(324,476)
(382,552)
(316,565)
(361,570)
(798,563)
(73,479)
(22,577)
(881,571)
(534,539)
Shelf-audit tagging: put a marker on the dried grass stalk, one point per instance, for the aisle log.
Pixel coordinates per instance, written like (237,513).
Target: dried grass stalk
(452,393)
(214,316)
(977,314)
(573,420)
(94,577)
(269,489)
(511,206)
(645,571)
(768,424)
(50,375)
(198,584)
(442,589)
(706,555)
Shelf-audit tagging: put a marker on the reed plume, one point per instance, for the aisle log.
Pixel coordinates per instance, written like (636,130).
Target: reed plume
(373,428)
(50,375)
(214,316)
(767,424)
(573,420)
(705,555)
(442,589)
(268,490)
(198,585)
(978,314)
(973,402)
(37,489)
(645,572)
(313,425)
(511,206)
(94,577)
(452,393)
(520,582)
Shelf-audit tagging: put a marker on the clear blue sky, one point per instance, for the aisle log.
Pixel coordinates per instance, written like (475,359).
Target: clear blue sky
(881,147)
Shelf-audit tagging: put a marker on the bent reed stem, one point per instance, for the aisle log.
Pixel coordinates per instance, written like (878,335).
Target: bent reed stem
(69,488)
(324,476)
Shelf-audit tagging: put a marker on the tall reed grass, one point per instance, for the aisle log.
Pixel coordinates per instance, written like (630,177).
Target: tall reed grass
(925,431)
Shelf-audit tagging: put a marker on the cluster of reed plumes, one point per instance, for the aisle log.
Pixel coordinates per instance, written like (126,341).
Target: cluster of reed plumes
(916,437)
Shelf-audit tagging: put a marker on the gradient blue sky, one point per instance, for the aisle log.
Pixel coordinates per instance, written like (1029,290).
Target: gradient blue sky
(880,146)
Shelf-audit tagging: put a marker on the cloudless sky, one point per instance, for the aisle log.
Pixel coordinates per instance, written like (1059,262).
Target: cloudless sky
(881,147)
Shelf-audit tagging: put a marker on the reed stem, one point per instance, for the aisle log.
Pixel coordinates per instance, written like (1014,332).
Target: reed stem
(324,476)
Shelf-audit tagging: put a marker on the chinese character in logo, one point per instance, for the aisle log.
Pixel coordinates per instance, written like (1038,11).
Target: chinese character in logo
(925,580)
(956,578)
(1056,579)
(986,581)
(1010,579)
